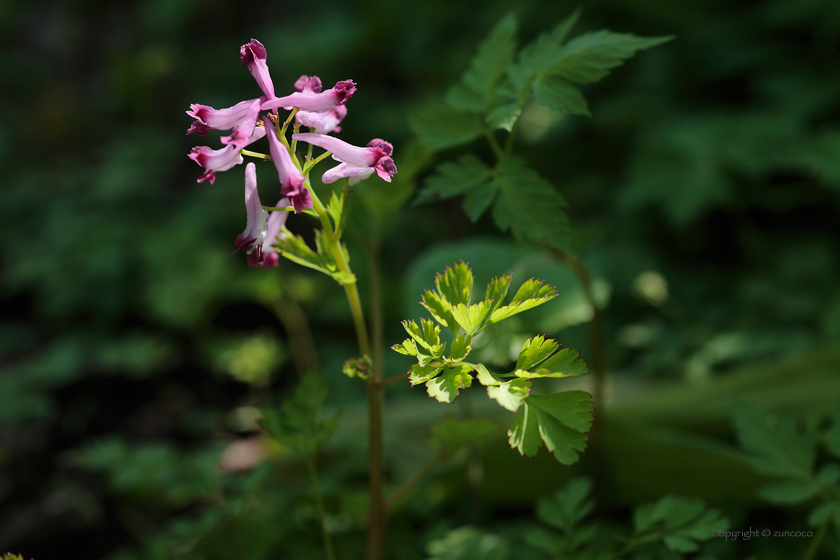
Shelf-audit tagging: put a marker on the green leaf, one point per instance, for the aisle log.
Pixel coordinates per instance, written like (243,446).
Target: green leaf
(470,318)
(531,294)
(679,522)
(452,178)
(358,367)
(495,54)
(504,116)
(829,474)
(534,351)
(510,394)
(455,284)
(294,248)
(823,512)
(557,420)
(468,543)
(445,387)
(406,347)
(497,290)
(460,347)
(440,310)
(478,201)
(589,57)
(336,210)
(428,336)
(572,408)
(536,57)
(485,377)
(529,206)
(832,436)
(569,505)
(561,95)
(450,435)
(777,447)
(789,492)
(421,374)
(565,363)
(439,127)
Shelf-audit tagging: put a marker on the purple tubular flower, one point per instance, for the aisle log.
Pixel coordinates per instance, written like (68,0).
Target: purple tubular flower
(276,221)
(255,229)
(214,161)
(323,123)
(240,136)
(208,118)
(346,171)
(376,155)
(253,56)
(291,181)
(312,84)
(308,100)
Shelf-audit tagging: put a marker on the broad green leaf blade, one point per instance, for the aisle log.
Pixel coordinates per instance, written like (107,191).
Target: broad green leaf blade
(439,127)
(572,408)
(440,310)
(445,387)
(569,505)
(471,317)
(504,116)
(589,57)
(565,363)
(778,448)
(450,434)
(421,374)
(406,347)
(452,178)
(455,284)
(510,393)
(460,347)
(561,95)
(789,492)
(564,442)
(524,434)
(478,201)
(534,351)
(529,206)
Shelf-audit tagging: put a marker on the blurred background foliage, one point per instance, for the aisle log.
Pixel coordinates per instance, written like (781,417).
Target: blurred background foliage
(133,347)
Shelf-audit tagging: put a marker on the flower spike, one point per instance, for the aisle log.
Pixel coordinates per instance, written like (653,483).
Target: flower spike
(308,100)
(376,156)
(255,229)
(214,161)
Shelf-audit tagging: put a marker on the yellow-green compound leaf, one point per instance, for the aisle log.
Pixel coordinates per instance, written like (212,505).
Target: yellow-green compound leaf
(294,248)
(440,310)
(497,290)
(531,294)
(470,318)
(460,347)
(565,363)
(534,351)
(450,434)
(406,347)
(428,336)
(485,377)
(445,387)
(421,374)
(510,393)
(455,284)
(559,420)
(336,211)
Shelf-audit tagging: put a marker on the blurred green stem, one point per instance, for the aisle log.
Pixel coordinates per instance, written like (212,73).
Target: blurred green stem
(814,546)
(319,503)
(294,321)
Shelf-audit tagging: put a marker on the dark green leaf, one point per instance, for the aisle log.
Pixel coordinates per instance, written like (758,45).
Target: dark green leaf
(560,95)
(589,57)
(789,492)
(439,127)
(478,201)
(679,522)
(569,505)
(572,408)
(529,206)
(778,448)
(504,116)
(561,440)
(452,178)
(468,543)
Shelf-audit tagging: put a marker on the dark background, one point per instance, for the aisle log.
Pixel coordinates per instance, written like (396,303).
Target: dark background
(703,192)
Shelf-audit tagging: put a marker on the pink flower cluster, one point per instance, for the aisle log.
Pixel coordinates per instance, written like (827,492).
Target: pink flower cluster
(318,109)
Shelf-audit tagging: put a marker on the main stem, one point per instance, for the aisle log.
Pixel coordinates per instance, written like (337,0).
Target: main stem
(376,509)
